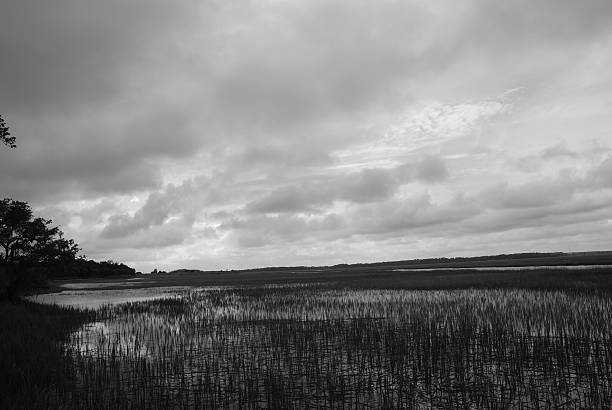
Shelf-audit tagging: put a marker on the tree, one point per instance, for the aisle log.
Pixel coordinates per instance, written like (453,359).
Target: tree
(5,135)
(25,240)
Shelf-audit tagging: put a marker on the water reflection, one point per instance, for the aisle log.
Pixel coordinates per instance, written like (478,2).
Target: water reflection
(94,299)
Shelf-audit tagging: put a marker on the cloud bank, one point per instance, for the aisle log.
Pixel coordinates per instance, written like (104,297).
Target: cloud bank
(233,134)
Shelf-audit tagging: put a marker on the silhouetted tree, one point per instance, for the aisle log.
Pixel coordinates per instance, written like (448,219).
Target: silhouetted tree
(29,246)
(25,239)
(5,135)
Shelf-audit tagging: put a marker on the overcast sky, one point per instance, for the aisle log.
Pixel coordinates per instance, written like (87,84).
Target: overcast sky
(231,134)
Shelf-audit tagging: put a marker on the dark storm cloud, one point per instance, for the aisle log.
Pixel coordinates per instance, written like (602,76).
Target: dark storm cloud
(529,195)
(578,209)
(601,175)
(124,179)
(559,150)
(170,233)
(270,100)
(116,83)
(56,158)
(262,230)
(432,169)
(398,216)
(565,199)
(315,60)
(391,218)
(368,185)
(60,55)
(79,94)
(295,62)
(364,186)
(375,210)
(419,217)
(549,21)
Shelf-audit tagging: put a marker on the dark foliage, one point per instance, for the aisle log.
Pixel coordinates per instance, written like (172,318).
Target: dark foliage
(88,268)
(25,240)
(5,135)
(30,248)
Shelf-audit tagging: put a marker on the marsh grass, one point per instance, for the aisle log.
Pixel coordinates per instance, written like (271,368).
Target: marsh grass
(34,372)
(312,347)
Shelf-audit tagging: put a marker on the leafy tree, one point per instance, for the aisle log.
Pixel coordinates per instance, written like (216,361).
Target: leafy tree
(29,247)
(5,135)
(28,240)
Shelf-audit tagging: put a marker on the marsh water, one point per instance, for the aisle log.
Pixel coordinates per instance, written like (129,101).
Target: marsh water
(316,346)
(288,344)
(94,294)
(96,298)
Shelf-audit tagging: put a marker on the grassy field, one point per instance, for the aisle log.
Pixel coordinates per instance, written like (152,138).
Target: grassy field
(468,339)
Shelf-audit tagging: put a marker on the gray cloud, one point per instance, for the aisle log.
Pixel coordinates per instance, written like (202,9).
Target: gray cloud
(276,156)
(601,175)
(161,208)
(558,150)
(293,64)
(368,185)
(532,194)
(288,199)
(167,235)
(432,169)
(269,103)
(545,202)
(398,216)
(363,186)
(70,53)
(113,86)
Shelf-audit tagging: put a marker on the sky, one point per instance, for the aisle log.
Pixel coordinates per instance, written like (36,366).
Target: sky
(230,134)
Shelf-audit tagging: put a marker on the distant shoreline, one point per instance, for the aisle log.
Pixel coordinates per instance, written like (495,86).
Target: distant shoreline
(536,259)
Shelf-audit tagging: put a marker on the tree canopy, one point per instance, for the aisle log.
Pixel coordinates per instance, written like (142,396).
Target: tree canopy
(5,135)
(25,239)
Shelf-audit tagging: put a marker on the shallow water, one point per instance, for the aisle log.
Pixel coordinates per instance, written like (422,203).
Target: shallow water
(290,347)
(99,285)
(505,268)
(93,299)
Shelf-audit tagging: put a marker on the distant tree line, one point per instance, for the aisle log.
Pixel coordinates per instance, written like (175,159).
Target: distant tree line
(83,268)
(449,260)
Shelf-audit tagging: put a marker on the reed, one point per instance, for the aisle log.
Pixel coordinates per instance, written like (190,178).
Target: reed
(34,372)
(317,346)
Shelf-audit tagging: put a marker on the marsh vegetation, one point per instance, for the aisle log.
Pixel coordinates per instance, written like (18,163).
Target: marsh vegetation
(313,346)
